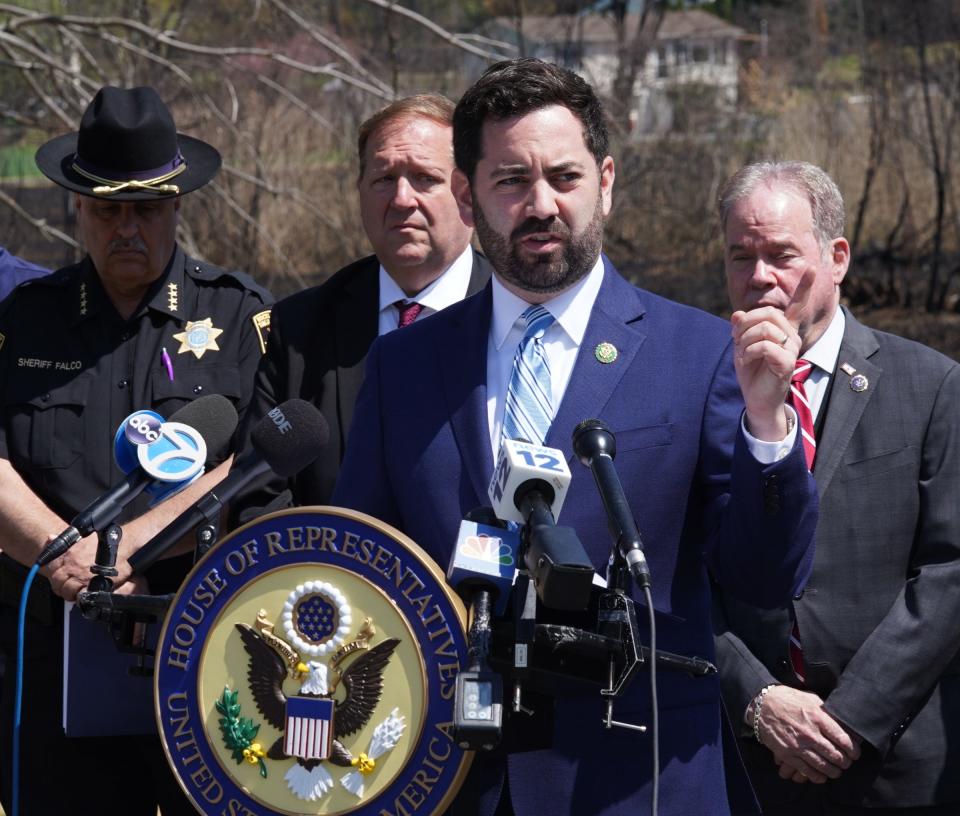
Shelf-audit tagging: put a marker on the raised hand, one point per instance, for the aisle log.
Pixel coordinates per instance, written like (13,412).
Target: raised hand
(766,346)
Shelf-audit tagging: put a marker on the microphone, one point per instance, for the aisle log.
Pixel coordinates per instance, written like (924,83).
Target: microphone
(214,413)
(529,485)
(218,419)
(481,569)
(178,443)
(595,447)
(287,439)
(484,556)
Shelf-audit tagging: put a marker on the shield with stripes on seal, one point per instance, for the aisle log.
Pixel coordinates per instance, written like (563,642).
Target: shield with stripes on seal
(309,727)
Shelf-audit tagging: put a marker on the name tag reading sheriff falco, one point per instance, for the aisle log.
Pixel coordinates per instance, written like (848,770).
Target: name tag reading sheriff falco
(308,665)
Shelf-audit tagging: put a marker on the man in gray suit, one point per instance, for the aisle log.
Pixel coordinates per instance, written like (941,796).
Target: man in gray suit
(423,262)
(855,687)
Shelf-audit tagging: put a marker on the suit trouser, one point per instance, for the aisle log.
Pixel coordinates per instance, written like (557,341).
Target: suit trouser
(95,775)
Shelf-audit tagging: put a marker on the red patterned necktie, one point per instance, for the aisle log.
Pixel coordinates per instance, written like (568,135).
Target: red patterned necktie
(408,312)
(801,404)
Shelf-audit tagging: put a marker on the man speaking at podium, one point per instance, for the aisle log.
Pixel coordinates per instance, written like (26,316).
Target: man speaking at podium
(558,337)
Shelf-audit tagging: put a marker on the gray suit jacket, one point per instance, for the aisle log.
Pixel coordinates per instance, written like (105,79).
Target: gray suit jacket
(317,352)
(880,616)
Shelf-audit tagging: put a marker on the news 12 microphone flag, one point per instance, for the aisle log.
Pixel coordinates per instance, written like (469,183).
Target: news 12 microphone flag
(520,462)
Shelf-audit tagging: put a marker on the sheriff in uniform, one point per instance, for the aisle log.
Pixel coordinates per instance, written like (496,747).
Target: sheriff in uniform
(136,324)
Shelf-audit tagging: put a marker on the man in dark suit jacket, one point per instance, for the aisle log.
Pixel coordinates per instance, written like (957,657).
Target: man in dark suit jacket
(423,263)
(535,177)
(876,718)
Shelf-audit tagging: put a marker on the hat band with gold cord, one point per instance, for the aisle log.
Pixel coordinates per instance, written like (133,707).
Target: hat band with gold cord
(152,180)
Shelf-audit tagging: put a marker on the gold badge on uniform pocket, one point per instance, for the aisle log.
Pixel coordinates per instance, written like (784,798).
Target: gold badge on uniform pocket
(198,336)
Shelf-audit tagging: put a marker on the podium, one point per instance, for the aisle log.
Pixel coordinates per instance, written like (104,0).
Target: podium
(308,665)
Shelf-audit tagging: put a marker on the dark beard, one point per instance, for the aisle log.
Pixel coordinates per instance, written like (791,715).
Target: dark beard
(552,273)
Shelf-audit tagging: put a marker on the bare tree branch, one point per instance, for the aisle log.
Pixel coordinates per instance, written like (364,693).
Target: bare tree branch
(48,101)
(167,39)
(146,53)
(433,28)
(268,239)
(283,192)
(295,100)
(335,48)
(40,224)
(632,51)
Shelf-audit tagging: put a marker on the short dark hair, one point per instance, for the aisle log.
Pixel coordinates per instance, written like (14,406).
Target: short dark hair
(431,106)
(515,87)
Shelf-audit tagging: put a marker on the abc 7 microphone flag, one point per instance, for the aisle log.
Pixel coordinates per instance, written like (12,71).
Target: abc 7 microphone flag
(173,453)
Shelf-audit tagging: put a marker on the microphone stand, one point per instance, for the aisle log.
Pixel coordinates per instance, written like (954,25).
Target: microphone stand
(104,568)
(555,659)
(123,615)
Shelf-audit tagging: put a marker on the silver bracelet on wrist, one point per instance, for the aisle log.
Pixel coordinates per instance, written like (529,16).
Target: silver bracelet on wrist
(757,708)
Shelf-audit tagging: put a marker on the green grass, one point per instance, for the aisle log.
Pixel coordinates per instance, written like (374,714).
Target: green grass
(16,162)
(843,70)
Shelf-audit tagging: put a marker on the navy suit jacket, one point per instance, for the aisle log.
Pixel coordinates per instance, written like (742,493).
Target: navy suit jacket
(419,457)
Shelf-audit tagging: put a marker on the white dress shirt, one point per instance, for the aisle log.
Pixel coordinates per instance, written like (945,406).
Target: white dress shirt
(824,355)
(449,288)
(561,342)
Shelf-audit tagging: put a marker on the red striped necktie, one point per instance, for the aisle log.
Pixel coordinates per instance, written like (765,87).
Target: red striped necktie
(801,404)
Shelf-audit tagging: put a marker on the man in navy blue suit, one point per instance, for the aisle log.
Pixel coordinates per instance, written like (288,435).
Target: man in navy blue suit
(707,451)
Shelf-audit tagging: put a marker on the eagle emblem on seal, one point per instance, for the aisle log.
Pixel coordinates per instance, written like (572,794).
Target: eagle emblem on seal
(336,697)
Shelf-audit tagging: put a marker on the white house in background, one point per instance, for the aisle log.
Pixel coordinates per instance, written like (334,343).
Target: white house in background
(693,48)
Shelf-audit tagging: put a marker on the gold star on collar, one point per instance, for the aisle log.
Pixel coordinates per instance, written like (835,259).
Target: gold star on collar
(198,336)
(172,297)
(83,298)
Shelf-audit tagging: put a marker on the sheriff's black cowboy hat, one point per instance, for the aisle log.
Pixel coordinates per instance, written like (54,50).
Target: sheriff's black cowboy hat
(128,149)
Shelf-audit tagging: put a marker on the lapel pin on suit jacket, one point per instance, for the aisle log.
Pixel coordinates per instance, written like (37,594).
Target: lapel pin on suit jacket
(858,382)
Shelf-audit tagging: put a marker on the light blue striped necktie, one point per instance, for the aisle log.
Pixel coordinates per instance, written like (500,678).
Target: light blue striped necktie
(529,407)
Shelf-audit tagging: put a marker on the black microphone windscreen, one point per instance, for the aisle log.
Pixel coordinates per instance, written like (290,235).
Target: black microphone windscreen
(290,436)
(591,438)
(214,417)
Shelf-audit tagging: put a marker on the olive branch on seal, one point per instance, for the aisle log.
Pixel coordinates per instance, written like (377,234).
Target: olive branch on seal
(238,732)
